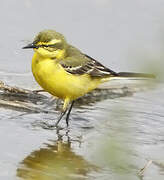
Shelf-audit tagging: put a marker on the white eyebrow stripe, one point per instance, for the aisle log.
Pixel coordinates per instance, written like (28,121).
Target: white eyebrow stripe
(54,41)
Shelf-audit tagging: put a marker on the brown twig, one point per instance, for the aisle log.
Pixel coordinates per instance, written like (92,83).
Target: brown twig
(141,172)
(16,97)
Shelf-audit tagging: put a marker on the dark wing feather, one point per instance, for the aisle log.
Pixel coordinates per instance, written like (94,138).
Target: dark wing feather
(85,64)
(98,70)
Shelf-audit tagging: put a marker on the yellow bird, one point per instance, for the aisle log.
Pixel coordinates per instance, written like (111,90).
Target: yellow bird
(65,72)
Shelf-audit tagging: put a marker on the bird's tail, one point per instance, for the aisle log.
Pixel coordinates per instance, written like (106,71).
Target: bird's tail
(128,79)
(131,75)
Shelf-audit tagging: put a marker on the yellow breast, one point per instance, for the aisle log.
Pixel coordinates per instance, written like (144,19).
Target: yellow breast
(52,77)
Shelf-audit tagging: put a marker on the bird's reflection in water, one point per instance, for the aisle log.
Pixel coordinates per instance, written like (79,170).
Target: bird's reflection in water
(57,161)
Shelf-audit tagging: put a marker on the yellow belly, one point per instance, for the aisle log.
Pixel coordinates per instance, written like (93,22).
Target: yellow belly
(55,80)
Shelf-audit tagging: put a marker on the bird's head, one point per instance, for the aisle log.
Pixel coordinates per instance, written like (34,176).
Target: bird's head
(50,44)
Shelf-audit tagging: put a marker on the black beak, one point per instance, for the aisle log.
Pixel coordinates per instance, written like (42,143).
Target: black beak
(31,45)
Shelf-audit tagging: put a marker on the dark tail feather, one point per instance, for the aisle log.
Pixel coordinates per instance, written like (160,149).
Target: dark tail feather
(135,75)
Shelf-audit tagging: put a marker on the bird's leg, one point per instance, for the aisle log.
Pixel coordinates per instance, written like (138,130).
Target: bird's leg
(64,110)
(69,111)
(60,117)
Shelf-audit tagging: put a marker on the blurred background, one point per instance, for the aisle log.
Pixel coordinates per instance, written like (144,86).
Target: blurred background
(111,139)
(122,34)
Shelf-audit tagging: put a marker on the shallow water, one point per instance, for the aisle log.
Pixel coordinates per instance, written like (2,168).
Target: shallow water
(108,138)
(111,138)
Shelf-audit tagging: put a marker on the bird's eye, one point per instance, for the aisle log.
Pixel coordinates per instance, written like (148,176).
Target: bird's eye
(57,45)
(51,47)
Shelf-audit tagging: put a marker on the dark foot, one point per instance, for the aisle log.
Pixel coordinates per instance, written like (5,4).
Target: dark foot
(50,127)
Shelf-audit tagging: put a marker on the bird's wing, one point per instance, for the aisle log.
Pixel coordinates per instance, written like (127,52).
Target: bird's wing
(84,64)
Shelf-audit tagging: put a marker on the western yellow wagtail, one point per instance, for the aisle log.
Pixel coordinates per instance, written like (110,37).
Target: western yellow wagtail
(65,72)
